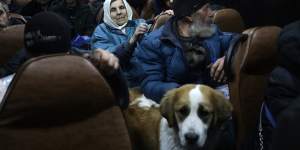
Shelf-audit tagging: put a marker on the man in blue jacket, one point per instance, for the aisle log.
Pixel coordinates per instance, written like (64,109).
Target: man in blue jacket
(187,49)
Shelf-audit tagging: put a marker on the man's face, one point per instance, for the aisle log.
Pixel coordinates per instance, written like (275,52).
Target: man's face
(118,12)
(202,22)
(3,18)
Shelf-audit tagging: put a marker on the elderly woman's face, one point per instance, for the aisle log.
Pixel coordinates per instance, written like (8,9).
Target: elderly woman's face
(118,12)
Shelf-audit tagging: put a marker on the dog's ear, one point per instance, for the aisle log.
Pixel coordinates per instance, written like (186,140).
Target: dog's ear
(223,107)
(166,107)
(134,93)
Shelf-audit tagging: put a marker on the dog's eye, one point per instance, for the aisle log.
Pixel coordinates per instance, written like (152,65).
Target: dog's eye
(184,111)
(203,113)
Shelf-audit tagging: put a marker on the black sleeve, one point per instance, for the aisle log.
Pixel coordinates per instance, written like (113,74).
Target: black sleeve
(283,88)
(124,52)
(119,87)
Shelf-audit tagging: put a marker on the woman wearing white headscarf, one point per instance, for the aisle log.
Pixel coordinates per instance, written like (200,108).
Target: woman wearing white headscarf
(118,27)
(119,34)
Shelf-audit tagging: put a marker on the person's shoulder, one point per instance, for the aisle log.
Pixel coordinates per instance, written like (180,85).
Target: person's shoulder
(220,35)
(152,40)
(218,31)
(157,33)
(102,26)
(282,76)
(101,29)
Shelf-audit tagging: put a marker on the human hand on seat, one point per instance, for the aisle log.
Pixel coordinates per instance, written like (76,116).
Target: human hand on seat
(169,12)
(105,61)
(217,70)
(139,31)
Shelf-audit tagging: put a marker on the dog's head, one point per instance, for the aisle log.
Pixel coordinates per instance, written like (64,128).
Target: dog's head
(191,110)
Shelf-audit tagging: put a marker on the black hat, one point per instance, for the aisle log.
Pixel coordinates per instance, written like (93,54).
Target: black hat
(47,33)
(184,8)
(289,47)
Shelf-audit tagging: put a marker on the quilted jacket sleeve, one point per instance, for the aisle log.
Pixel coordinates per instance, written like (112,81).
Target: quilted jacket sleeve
(152,61)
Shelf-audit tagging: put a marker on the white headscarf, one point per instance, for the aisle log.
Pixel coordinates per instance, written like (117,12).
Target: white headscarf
(107,19)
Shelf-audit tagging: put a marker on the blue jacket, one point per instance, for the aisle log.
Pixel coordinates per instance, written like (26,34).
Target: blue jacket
(109,38)
(115,41)
(163,63)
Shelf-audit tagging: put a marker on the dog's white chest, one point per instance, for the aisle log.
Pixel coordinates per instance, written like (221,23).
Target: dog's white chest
(168,139)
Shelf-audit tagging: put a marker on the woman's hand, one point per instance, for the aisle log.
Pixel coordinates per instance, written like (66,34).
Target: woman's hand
(139,31)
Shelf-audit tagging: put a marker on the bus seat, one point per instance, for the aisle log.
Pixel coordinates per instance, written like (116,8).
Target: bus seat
(61,102)
(229,20)
(11,41)
(250,65)
(17,17)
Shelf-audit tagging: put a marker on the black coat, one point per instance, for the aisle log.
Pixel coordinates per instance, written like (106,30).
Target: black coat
(283,89)
(287,133)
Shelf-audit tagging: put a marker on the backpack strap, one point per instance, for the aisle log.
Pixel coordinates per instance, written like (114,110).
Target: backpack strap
(269,115)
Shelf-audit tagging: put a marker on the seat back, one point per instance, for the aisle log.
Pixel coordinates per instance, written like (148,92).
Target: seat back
(61,102)
(17,17)
(11,40)
(229,20)
(251,64)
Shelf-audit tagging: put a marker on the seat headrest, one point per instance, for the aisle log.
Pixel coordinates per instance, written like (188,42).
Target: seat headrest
(261,54)
(11,40)
(229,20)
(55,90)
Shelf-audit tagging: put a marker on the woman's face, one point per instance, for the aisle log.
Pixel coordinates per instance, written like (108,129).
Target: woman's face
(118,12)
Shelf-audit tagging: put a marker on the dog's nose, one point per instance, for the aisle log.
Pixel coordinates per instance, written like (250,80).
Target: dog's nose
(191,138)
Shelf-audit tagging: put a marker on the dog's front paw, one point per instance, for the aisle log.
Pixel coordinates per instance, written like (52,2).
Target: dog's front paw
(145,103)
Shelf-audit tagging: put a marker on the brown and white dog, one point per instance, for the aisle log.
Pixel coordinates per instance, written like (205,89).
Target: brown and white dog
(182,121)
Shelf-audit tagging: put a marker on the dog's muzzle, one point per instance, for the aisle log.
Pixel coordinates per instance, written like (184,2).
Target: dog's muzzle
(191,138)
